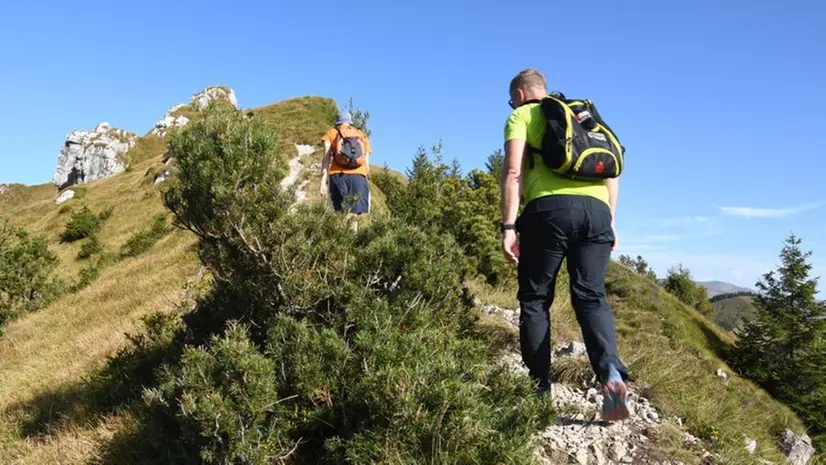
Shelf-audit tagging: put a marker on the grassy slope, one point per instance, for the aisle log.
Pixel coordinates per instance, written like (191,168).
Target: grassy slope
(729,313)
(672,351)
(45,355)
(50,350)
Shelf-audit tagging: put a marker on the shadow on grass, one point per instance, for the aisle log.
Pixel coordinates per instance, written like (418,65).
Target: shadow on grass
(117,385)
(54,409)
(721,348)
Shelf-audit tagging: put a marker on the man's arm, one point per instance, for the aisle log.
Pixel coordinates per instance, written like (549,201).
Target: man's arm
(613,194)
(511,178)
(325,166)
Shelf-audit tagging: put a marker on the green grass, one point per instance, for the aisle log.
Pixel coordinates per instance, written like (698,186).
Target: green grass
(672,350)
(732,312)
(146,147)
(300,120)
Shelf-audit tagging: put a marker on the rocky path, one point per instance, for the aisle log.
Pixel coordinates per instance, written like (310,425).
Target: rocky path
(578,436)
(296,167)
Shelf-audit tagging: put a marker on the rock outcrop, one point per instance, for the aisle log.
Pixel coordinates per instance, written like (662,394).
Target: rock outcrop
(91,155)
(203,98)
(199,101)
(170,120)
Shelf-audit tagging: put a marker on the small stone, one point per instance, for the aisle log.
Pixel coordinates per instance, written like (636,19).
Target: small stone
(161,177)
(599,456)
(571,349)
(751,444)
(618,451)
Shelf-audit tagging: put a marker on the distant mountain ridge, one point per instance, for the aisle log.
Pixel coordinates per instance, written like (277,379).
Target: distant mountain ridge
(721,287)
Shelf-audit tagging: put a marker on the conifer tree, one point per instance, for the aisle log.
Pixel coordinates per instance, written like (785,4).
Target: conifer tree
(784,347)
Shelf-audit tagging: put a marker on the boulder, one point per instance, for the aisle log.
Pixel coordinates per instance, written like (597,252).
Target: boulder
(91,155)
(798,449)
(64,196)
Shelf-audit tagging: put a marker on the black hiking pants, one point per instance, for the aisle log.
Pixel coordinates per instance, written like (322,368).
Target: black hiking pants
(577,228)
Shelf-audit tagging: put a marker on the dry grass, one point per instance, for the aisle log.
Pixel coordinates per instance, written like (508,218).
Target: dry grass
(45,355)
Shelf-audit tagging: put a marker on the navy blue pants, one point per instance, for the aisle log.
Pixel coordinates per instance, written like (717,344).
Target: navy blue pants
(350,193)
(551,229)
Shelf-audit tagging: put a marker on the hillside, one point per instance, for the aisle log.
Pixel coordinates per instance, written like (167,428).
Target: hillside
(731,312)
(48,356)
(716,288)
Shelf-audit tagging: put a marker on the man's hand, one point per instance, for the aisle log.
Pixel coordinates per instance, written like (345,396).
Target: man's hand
(616,238)
(324,190)
(510,246)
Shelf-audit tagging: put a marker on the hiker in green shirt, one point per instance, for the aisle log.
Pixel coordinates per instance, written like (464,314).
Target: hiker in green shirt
(562,218)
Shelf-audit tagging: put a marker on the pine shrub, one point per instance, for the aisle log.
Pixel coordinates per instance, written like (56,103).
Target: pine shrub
(320,345)
(27,272)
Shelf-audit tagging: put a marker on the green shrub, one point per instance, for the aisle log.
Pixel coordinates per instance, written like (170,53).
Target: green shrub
(230,409)
(92,271)
(91,247)
(438,197)
(143,240)
(83,223)
(27,267)
(680,283)
(355,347)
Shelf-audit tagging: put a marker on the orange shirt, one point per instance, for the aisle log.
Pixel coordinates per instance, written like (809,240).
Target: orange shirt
(330,137)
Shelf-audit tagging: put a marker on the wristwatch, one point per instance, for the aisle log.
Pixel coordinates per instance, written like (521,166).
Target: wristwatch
(505,226)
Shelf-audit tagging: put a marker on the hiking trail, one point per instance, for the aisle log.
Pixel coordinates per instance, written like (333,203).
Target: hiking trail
(578,436)
(296,165)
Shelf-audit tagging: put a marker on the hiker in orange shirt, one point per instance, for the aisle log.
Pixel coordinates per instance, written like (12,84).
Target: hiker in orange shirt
(346,166)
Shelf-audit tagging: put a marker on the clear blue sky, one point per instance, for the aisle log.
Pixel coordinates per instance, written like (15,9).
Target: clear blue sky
(717,102)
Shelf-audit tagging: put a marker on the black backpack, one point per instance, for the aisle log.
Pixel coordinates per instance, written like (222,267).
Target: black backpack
(349,148)
(577,144)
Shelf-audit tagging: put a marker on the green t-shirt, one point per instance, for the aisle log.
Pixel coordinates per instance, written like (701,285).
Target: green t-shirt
(528,124)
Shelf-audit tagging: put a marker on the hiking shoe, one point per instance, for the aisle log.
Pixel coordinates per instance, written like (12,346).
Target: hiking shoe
(614,407)
(543,389)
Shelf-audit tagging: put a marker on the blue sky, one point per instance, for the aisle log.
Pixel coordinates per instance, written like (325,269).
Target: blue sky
(714,100)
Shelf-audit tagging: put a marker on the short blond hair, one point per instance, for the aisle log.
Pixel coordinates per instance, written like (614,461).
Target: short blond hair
(528,78)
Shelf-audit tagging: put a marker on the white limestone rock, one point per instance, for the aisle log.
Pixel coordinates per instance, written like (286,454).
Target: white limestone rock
(203,98)
(64,196)
(797,449)
(199,101)
(92,155)
(169,121)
